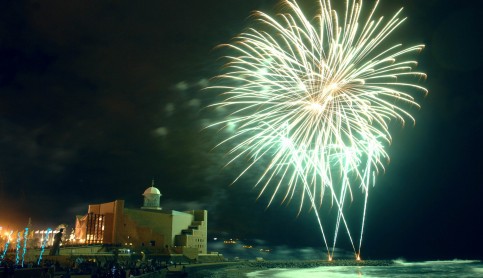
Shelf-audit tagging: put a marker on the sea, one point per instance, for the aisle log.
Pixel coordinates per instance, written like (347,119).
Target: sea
(400,268)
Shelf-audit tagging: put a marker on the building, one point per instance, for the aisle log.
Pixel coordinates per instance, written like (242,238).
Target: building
(149,229)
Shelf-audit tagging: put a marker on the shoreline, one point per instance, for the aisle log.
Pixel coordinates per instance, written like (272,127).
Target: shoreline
(243,268)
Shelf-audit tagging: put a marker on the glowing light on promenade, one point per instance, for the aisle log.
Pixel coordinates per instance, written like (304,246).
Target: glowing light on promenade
(25,239)
(7,242)
(17,248)
(44,243)
(310,102)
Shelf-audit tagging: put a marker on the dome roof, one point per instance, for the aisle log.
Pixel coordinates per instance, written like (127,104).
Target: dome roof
(151,190)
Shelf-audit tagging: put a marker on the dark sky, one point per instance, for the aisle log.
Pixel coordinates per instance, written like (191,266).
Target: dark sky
(99,97)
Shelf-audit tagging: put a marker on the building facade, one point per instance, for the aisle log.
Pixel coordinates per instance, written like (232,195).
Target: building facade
(149,228)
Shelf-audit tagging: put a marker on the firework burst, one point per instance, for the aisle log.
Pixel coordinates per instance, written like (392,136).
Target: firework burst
(311,101)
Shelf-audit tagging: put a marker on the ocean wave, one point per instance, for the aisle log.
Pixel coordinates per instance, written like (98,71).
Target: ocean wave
(324,271)
(422,263)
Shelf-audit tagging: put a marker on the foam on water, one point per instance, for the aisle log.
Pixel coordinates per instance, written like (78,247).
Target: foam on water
(447,262)
(323,271)
(401,268)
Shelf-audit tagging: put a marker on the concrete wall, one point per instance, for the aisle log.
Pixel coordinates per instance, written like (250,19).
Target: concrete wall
(181,221)
(197,235)
(159,223)
(139,231)
(117,223)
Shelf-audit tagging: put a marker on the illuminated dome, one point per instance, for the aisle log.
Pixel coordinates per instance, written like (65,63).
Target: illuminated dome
(151,190)
(151,198)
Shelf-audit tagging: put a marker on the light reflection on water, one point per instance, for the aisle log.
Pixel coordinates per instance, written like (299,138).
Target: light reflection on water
(455,268)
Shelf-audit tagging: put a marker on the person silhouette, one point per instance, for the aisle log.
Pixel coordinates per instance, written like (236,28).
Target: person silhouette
(54,251)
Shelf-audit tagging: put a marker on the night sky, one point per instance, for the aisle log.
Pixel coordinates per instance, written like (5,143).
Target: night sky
(99,97)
